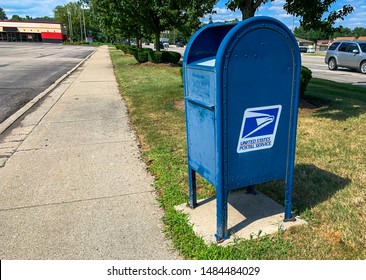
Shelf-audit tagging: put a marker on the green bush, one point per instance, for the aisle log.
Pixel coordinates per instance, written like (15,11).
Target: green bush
(122,47)
(131,49)
(141,55)
(306,75)
(126,49)
(156,56)
(173,57)
(148,50)
(164,57)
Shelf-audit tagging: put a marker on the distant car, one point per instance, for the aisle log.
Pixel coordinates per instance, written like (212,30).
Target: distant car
(166,45)
(303,49)
(349,54)
(180,44)
(311,50)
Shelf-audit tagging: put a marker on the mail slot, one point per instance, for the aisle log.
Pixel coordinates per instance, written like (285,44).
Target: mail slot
(241,87)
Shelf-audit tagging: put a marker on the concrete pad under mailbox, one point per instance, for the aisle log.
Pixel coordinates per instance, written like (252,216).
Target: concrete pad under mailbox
(248,215)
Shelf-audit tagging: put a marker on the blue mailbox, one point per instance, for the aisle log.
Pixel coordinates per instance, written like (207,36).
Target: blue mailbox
(241,86)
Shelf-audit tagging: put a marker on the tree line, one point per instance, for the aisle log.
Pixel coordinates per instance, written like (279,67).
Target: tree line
(148,18)
(315,35)
(109,20)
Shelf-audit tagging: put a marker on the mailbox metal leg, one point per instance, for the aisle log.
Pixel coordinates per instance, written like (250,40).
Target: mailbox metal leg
(251,190)
(192,188)
(289,217)
(221,215)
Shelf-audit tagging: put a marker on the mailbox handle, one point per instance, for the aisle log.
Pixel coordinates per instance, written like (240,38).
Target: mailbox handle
(200,103)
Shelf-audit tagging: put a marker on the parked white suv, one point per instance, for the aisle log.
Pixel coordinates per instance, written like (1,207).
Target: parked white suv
(349,54)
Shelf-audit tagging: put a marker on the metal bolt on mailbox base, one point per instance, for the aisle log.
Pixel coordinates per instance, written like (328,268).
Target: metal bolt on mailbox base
(241,87)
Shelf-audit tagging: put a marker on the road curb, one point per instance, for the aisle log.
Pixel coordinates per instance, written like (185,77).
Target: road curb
(14,117)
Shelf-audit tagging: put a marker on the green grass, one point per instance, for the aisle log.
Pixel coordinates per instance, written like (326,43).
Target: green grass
(329,180)
(314,54)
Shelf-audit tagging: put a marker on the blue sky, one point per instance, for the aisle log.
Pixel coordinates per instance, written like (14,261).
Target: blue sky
(37,8)
(32,8)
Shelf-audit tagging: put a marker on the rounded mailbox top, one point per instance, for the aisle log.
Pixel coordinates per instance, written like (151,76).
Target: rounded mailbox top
(216,40)
(256,29)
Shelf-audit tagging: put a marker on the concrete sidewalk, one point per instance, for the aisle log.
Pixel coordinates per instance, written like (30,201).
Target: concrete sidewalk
(72,183)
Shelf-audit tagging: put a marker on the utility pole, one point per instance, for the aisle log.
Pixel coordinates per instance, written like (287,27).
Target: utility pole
(70,24)
(81,29)
(84,23)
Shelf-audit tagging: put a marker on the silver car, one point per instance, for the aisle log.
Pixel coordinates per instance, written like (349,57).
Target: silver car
(349,54)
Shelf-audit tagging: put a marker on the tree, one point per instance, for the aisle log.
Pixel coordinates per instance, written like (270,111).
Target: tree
(16,17)
(312,13)
(247,7)
(2,14)
(343,32)
(359,31)
(141,18)
(73,15)
(117,18)
(311,35)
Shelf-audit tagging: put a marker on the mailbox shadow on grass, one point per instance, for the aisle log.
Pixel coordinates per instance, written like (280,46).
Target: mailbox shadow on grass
(341,109)
(312,186)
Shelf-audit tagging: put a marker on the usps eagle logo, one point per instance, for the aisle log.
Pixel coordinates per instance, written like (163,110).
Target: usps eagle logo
(258,129)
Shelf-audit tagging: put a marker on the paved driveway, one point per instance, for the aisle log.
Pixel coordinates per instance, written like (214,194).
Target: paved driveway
(27,69)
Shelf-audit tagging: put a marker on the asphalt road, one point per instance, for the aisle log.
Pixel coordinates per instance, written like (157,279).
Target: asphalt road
(27,69)
(320,70)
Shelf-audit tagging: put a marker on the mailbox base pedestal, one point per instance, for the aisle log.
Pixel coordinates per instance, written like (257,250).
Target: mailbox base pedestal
(247,216)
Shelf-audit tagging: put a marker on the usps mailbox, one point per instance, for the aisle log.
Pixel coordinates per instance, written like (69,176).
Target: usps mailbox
(241,85)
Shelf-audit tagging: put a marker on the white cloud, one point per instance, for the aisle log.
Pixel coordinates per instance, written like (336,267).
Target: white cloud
(222,11)
(32,8)
(223,14)
(356,18)
(276,9)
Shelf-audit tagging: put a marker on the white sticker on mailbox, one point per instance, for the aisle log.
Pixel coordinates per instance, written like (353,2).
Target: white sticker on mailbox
(258,129)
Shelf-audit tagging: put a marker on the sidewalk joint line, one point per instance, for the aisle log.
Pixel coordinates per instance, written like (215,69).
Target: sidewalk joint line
(73,201)
(86,120)
(60,147)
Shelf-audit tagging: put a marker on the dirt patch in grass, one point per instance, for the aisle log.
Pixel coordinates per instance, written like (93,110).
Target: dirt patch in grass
(179,105)
(332,237)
